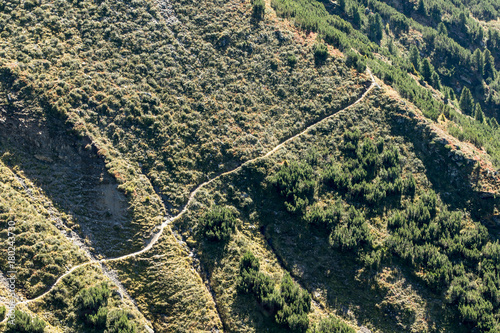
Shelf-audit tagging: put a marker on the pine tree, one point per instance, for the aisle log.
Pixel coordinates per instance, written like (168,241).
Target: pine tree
(218,223)
(480,35)
(320,53)
(421,8)
(442,29)
(462,21)
(375,27)
(493,123)
(341,4)
(489,41)
(427,69)
(446,94)
(435,13)
(466,101)
(355,16)
(478,113)
(414,56)
(435,82)
(478,61)
(452,94)
(489,64)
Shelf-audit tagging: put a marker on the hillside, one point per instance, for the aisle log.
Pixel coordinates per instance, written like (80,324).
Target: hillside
(249,166)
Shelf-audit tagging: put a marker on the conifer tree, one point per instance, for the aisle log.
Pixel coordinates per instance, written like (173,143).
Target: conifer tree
(435,82)
(466,101)
(493,123)
(426,69)
(478,61)
(414,56)
(421,8)
(375,27)
(489,65)
(478,113)
(442,29)
(355,15)
(462,21)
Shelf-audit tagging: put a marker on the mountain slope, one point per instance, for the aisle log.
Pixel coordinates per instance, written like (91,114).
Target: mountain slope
(235,166)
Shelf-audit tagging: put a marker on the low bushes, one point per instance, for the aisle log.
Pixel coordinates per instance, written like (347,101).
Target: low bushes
(289,304)
(25,323)
(91,306)
(218,224)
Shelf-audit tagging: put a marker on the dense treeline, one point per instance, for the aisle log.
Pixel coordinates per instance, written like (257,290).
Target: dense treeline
(455,256)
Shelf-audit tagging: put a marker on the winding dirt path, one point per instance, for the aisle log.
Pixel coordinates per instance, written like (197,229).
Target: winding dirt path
(168,220)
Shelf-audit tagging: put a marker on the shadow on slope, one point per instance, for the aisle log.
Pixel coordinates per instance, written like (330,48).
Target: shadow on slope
(68,169)
(454,176)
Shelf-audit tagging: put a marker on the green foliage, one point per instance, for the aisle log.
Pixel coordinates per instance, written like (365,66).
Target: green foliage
(324,218)
(482,134)
(259,9)
(354,13)
(421,8)
(255,282)
(352,233)
(479,61)
(292,60)
(414,57)
(293,305)
(356,61)
(249,263)
(478,113)
(218,223)
(320,53)
(466,102)
(117,322)
(435,81)
(441,28)
(91,303)
(426,69)
(290,303)
(375,27)
(332,325)
(489,65)
(295,182)
(447,50)
(25,323)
